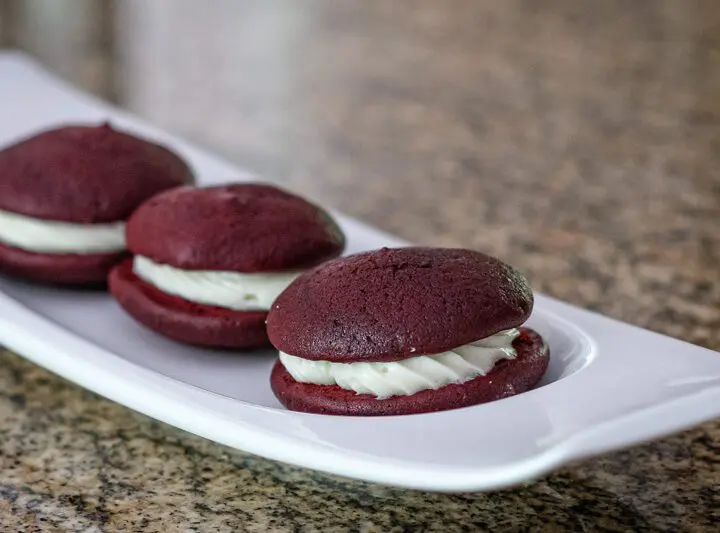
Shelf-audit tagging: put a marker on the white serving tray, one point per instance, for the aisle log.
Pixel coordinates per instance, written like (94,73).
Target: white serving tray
(610,385)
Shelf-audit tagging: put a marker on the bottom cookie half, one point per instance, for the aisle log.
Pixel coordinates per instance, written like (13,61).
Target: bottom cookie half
(507,378)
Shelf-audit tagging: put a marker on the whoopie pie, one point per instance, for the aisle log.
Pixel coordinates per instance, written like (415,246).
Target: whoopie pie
(209,262)
(65,195)
(401,331)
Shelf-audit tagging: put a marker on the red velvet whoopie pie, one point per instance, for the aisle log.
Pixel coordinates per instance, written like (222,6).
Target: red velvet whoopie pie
(404,331)
(65,195)
(209,262)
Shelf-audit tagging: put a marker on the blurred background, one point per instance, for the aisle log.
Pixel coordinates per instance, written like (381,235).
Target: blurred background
(576,139)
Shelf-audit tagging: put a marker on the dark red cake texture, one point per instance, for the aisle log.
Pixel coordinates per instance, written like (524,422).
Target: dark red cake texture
(392,304)
(60,269)
(184,321)
(83,175)
(244,227)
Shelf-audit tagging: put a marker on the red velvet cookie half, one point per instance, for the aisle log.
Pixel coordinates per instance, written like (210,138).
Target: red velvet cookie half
(404,331)
(65,195)
(209,262)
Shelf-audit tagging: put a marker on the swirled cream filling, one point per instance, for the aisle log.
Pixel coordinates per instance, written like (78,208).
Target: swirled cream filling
(408,376)
(233,290)
(55,237)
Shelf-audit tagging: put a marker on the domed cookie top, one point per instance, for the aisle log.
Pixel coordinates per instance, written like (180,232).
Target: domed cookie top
(244,227)
(393,304)
(85,174)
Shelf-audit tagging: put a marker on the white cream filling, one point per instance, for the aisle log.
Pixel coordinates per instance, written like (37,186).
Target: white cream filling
(406,377)
(55,237)
(233,290)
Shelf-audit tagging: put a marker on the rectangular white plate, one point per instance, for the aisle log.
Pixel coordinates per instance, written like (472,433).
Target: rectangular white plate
(609,385)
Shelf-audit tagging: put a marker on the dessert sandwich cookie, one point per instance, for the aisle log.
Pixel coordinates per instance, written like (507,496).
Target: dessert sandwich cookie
(402,331)
(209,262)
(65,195)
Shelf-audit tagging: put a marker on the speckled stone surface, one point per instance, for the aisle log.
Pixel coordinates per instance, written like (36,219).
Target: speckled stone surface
(576,140)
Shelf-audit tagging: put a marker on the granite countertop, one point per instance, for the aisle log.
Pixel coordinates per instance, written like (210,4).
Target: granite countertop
(579,141)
